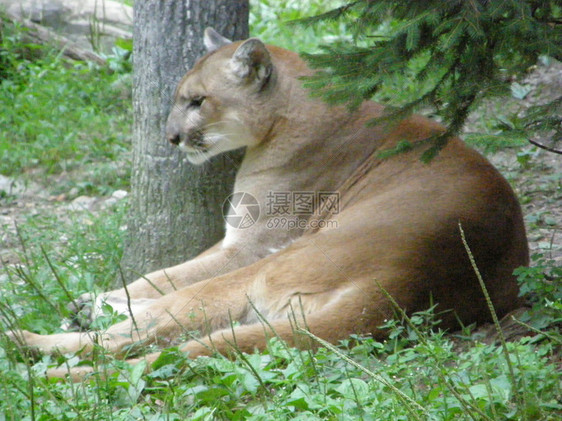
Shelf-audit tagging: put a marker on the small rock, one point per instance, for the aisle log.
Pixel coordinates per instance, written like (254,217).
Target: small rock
(119,194)
(82,203)
(6,220)
(116,196)
(11,186)
(109,202)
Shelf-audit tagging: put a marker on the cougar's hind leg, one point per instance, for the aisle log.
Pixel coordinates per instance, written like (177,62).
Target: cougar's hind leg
(350,314)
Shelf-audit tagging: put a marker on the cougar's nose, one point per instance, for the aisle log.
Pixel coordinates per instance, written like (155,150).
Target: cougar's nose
(172,134)
(173,138)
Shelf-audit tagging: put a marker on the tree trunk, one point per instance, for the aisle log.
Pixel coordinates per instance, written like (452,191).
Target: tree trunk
(175,207)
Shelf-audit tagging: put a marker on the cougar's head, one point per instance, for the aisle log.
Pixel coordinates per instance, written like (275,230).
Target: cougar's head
(221,104)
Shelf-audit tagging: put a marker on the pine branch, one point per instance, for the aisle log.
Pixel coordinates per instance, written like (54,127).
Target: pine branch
(333,14)
(468,50)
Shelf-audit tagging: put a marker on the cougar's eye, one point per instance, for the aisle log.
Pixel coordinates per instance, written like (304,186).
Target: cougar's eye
(196,101)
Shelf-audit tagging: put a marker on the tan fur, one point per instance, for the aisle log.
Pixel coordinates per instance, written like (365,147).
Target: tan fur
(397,222)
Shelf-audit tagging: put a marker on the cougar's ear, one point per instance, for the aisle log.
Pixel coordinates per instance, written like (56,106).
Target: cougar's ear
(213,40)
(251,62)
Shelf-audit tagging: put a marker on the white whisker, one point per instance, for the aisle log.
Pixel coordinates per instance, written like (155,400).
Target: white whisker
(217,137)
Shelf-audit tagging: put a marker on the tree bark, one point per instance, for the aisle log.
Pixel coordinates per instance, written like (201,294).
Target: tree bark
(175,207)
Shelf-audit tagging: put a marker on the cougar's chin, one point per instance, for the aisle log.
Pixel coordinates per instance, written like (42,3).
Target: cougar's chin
(196,156)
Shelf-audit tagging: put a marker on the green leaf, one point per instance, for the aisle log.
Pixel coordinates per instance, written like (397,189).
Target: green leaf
(137,371)
(353,388)
(125,44)
(170,356)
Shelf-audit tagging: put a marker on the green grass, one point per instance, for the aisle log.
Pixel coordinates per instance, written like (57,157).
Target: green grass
(80,252)
(58,116)
(412,376)
(420,372)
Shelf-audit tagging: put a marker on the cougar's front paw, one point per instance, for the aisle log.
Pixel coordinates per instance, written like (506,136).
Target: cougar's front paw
(82,313)
(86,308)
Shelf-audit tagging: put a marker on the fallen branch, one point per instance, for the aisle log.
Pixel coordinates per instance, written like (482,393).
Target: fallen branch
(41,35)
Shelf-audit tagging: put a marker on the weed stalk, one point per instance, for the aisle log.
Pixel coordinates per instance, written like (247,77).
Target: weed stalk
(493,313)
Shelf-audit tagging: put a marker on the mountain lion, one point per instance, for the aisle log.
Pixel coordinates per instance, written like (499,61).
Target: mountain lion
(320,223)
